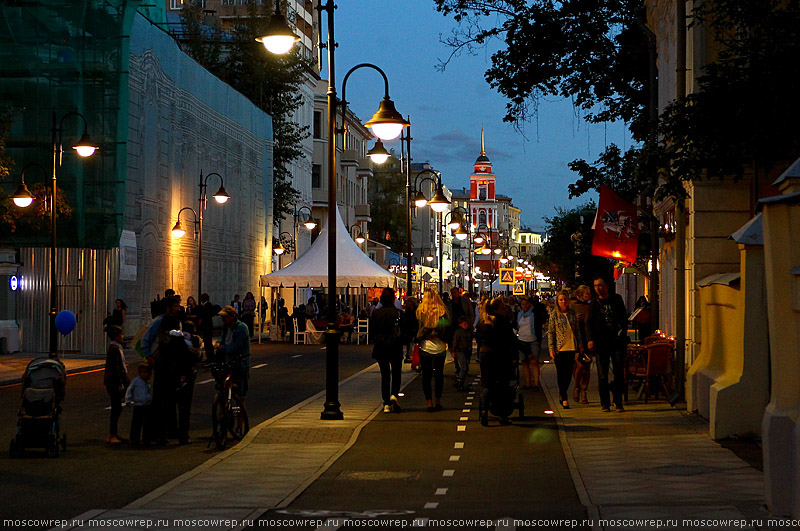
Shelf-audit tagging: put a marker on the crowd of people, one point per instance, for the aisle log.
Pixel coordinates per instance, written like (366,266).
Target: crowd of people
(172,344)
(577,329)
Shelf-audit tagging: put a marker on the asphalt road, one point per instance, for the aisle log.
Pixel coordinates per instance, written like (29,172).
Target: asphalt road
(446,467)
(92,474)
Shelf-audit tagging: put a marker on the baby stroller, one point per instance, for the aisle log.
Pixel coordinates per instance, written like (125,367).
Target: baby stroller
(38,419)
(502,400)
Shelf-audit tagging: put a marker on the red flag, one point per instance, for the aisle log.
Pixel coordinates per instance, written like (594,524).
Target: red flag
(616,230)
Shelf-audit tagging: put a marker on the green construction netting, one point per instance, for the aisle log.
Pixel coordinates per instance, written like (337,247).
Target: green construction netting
(62,57)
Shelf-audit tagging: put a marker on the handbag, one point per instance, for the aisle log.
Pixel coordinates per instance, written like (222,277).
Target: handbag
(415,362)
(585,358)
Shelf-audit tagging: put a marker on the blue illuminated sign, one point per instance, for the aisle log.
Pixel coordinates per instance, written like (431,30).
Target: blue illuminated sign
(13,282)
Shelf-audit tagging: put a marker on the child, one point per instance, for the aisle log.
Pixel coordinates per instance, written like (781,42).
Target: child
(139,395)
(115,379)
(462,348)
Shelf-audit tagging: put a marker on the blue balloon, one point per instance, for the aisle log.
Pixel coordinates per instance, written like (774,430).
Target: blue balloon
(66,321)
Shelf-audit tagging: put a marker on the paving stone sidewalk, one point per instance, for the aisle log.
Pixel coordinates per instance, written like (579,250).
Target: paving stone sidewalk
(653,461)
(275,462)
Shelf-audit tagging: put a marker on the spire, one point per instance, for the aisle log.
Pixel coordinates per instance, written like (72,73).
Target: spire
(483,146)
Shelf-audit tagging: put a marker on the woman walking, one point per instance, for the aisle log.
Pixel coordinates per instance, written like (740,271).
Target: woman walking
(497,350)
(565,338)
(115,379)
(582,373)
(386,327)
(434,325)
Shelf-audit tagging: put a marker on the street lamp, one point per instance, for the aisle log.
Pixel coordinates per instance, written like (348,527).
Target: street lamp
(23,199)
(378,153)
(279,37)
(438,204)
(177,230)
(357,232)
(309,222)
(221,197)
(387,124)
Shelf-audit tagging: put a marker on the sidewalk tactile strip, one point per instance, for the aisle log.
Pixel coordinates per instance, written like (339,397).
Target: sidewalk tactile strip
(374,475)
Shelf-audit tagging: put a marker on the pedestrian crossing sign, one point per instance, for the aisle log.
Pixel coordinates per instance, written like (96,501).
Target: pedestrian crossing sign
(506,275)
(519,289)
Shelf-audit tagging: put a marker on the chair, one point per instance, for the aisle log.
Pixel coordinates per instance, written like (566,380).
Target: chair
(362,328)
(651,363)
(298,333)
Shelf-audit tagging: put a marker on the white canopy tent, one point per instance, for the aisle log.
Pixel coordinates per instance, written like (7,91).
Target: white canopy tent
(354,269)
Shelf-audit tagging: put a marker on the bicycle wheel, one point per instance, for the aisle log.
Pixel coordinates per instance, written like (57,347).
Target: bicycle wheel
(219,429)
(238,423)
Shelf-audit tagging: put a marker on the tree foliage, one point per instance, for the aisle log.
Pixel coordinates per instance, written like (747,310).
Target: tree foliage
(589,50)
(271,82)
(565,256)
(745,110)
(389,223)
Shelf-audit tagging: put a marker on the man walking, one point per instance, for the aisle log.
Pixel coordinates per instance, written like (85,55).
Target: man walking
(608,322)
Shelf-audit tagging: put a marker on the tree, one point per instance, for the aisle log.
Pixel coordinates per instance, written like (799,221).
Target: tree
(388,205)
(271,82)
(590,50)
(565,256)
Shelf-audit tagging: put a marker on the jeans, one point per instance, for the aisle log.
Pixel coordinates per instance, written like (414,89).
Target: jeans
(615,358)
(565,359)
(462,360)
(390,378)
(432,366)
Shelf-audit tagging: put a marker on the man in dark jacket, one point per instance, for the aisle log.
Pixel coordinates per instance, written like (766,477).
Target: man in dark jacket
(608,322)
(386,327)
(207,313)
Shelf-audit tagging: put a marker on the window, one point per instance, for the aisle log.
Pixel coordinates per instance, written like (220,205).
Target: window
(316,176)
(482,219)
(317,124)
(176,4)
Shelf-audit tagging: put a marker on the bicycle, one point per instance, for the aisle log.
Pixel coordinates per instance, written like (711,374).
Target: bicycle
(228,412)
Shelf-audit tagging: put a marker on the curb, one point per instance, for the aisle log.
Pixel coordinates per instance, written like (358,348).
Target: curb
(18,380)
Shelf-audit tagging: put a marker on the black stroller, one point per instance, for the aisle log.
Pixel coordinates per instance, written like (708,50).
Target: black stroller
(502,400)
(38,420)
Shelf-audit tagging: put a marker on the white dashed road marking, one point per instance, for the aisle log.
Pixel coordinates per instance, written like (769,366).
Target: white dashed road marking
(455,458)
(440,492)
(463,419)
(431,505)
(458,445)
(205,381)
(259,365)
(297,356)
(448,473)
(462,428)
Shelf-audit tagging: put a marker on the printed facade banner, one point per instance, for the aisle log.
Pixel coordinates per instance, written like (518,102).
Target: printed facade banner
(616,229)
(127,256)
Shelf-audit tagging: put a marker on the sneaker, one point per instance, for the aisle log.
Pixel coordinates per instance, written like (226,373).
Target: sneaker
(485,418)
(576,396)
(620,408)
(113,439)
(387,408)
(438,407)
(565,404)
(605,409)
(395,404)
(584,397)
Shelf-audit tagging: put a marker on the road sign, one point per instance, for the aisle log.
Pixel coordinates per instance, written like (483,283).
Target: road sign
(413,276)
(519,289)
(519,275)
(506,275)
(528,275)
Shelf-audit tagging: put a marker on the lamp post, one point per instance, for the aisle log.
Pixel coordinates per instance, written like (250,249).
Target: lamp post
(22,198)
(438,203)
(221,197)
(387,124)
